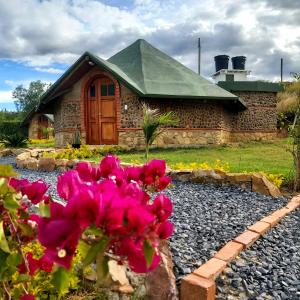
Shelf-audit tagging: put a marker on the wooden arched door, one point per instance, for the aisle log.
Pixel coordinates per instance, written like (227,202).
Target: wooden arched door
(101,114)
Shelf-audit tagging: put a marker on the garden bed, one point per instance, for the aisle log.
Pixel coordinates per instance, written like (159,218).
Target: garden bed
(205,216)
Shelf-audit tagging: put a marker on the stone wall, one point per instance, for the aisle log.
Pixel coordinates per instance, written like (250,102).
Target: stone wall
(33,129)
(261,114)
(174,137)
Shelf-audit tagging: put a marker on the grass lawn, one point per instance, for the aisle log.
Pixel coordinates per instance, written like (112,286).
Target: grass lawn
(270,157)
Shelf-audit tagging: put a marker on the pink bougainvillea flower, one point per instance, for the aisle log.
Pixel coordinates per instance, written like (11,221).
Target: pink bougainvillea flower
(33,265)
(87,172)
(162,207)
(138,219)
(133,250)
(156,167)
(45,264)
(108,164)
(59,235)
(27,297)
(165,230)
(68,183)
(133,173)
(163,182)
(134,191)
(35,191)
(83,207)
(18,184)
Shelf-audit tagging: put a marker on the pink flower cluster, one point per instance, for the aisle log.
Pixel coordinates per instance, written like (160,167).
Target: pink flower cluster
(113,199)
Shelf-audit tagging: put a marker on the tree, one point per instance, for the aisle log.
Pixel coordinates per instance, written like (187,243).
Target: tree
(153,123)
(289,102)
(28,98)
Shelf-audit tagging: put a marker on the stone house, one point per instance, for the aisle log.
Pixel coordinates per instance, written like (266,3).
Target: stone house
(103,99)
(39,126)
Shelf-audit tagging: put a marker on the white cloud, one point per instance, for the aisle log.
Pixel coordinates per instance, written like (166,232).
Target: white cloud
(6,96)
(49,70)
(41,33)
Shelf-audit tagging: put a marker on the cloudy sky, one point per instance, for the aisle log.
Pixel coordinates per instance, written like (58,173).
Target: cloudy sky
(39,39)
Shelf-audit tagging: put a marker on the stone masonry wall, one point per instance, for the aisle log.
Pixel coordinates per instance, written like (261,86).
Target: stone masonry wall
(33,130)
(260,115)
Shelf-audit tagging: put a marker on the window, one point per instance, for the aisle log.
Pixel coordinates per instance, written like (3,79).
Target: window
(111,89)
(107,89)
(103,90)
(92,91)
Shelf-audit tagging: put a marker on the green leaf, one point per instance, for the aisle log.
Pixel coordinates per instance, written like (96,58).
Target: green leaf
(101,267)
(96,248)
(14,259)
(10,201)
(93,230)
(44,210)
(83,248)
(60,280)
(26,229)
(3,241)
(148,252)
(24,278)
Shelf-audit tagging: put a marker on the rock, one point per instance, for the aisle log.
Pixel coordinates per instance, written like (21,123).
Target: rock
(262,185)
(238,178)
(17,152)
(5,152)
(160,283)
(31,164)
(119,278)
(47,164)
(207,176)
(34,153)
(182,175)
(63,162)
(22,158)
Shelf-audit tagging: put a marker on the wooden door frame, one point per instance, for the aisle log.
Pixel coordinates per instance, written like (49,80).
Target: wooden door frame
(84,98)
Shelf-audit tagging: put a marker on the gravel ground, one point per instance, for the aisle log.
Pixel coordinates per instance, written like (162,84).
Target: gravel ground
(270,269)
(205,216)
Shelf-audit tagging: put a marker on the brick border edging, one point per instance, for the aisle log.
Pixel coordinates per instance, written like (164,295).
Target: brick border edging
(200,284)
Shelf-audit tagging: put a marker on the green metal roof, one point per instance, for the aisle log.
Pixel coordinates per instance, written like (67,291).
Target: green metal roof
(250,86)
(158,75)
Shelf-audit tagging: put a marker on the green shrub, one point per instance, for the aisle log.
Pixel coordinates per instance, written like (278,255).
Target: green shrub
(86,152)
(14,140)
(11,127)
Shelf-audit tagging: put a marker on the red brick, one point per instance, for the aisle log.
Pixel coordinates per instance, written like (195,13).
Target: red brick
(260,227)
(197,288)
(292,205)
(247,238)
(274,218)
(211,269)
(229,252)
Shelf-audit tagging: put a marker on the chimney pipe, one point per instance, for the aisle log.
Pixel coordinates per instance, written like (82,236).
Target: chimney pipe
(199,55)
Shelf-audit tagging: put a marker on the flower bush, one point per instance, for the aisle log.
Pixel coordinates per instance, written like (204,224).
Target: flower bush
(108,212)
(217,165)
(86,152)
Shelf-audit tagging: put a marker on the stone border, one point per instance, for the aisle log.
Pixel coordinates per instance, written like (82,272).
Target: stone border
(254,181)
(200,284)
(33,160)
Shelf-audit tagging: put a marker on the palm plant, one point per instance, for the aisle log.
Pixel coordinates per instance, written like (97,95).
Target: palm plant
(154,125)
(14,140)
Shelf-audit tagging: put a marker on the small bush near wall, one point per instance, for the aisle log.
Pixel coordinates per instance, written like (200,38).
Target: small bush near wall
(11,127)
(86,152)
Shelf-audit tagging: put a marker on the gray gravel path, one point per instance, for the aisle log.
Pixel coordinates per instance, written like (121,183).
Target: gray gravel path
(270,269)
(205,216)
